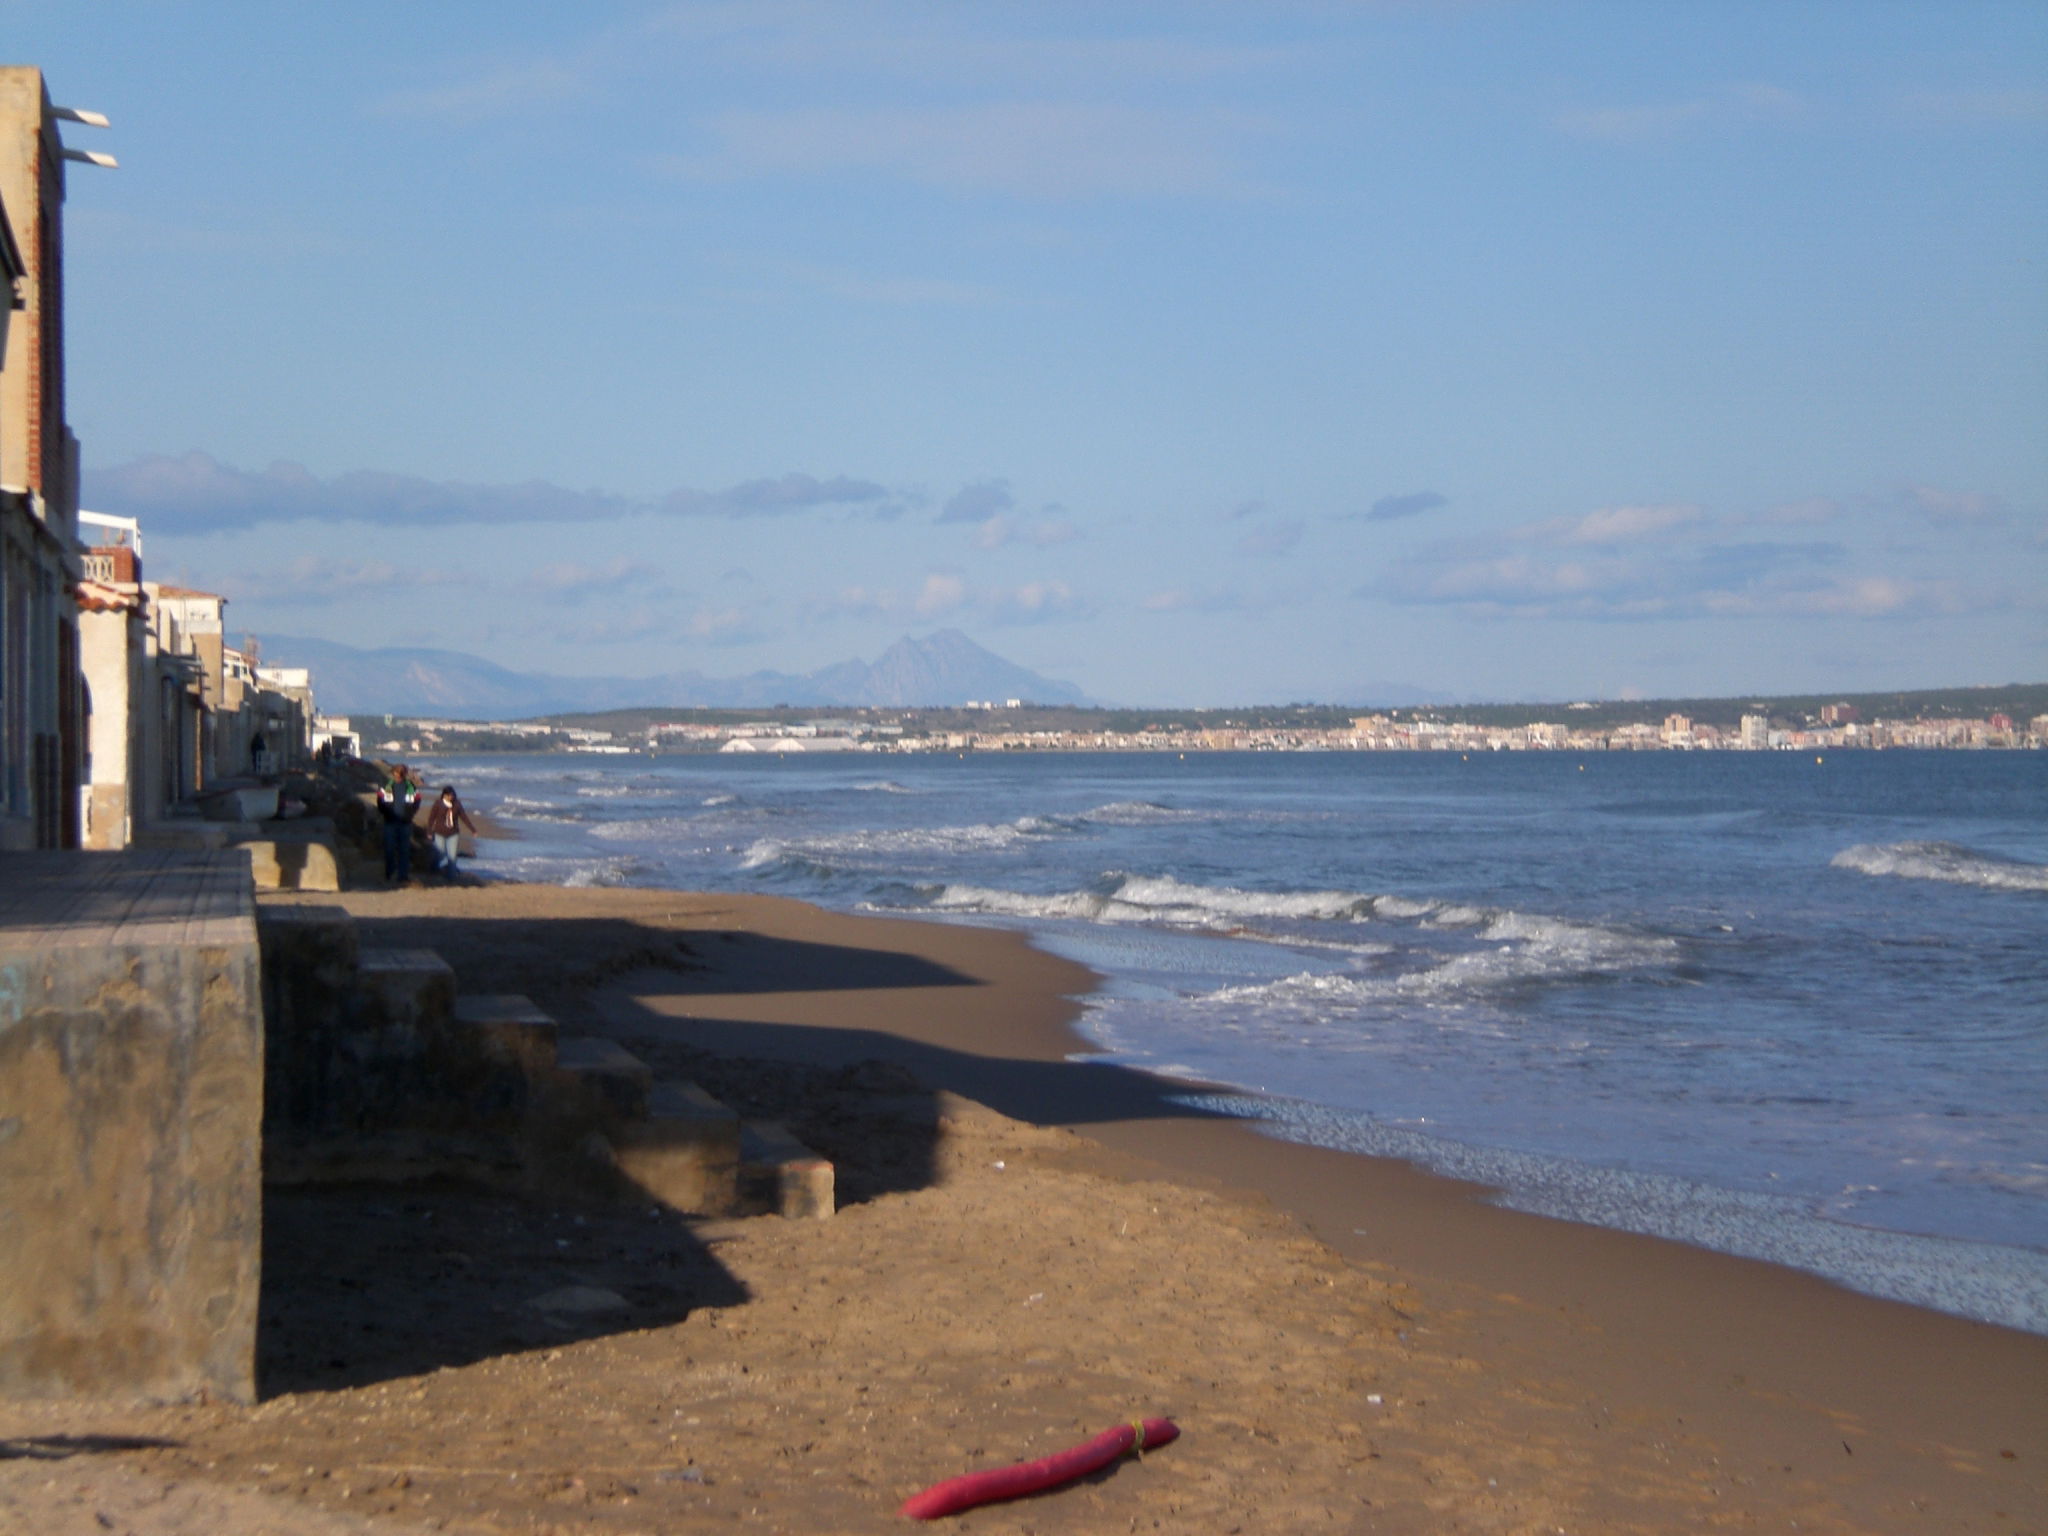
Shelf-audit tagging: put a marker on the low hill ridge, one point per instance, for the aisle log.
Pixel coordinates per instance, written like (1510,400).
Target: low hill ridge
(930,671)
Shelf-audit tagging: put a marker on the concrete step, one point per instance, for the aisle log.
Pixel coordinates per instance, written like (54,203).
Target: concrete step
(510,1028)
(406,990)
(603,1078)
(685,1154)
(294,863)
(304,944)
(295,855)
(779,1175)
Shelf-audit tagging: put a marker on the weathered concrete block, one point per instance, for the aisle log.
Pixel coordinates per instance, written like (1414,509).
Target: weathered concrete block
(686,1153)
(782,1176)
(294,864)
(131,1096)
(602,1079)
(406,992)
(511,1028)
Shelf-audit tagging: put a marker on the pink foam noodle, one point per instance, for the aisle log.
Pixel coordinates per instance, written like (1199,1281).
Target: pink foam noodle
(958,1493)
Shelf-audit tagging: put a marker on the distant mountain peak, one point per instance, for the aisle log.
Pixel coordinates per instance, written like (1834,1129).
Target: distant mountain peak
(946,667)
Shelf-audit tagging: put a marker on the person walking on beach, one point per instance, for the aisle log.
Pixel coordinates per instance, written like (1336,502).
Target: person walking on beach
(398,800)
(443,819)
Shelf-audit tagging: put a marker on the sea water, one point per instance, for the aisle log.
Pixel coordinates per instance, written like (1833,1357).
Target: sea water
(1781,1005)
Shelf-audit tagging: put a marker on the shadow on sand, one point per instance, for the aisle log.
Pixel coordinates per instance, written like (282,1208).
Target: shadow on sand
(364,1283)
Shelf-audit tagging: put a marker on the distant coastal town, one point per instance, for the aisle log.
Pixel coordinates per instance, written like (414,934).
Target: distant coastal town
(1016,726)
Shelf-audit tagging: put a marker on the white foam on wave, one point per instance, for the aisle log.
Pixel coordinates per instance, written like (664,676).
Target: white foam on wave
(1159,899)
(988,900)
(1397,908)
(1948,862)
(883,787)
(717,800)
(575,873)
(864,845)
(1991,1283)
(1163,899)
(642,828)
(1519,949)
(1139,813)
(607,791)
(552,812)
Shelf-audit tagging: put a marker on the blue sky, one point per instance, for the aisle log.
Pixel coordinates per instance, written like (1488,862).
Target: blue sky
(1196,353)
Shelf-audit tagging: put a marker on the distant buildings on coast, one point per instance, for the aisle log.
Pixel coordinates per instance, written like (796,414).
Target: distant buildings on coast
(121,700)
(1839,729)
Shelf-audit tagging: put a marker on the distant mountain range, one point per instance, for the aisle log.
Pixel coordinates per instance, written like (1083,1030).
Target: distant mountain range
(933,671)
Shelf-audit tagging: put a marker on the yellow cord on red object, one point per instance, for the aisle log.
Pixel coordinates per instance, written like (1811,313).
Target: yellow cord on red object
(1138,1437)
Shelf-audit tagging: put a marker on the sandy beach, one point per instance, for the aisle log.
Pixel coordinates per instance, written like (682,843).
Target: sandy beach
(1028,1250)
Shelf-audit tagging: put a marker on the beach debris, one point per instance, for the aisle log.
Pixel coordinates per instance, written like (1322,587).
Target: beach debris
(579,1298)
(977,1488)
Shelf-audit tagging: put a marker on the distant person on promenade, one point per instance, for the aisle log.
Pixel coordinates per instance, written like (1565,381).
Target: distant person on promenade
(398,800)
(443,820)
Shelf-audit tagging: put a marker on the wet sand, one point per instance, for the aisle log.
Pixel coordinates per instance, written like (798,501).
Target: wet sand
(1029,1250)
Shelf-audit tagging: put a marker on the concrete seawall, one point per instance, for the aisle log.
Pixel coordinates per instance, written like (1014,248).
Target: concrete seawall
(131,1097)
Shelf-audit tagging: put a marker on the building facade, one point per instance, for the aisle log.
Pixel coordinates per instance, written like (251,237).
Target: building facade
(42,745)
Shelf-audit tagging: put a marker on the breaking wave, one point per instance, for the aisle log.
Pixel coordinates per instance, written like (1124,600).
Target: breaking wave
(520,808)
(1125,898)
(1949,862)
(1520,950)
(1139,813)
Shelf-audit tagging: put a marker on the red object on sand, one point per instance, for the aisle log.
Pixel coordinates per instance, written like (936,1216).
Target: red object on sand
(958,1493)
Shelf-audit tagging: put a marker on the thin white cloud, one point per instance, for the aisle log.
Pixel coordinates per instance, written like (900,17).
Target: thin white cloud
(1033,602)
(927,45)
(1625,568)
(948,594)
(782,496)
(1981,106)
(1037,149)
(1413,504)
(195,493)
(942,593)
(1042,532)
(1617,525)
(894,292)
(722,626)
(312,580)
(573,581)
(1952,509)
(977,502)
(1628,125)
(498,91)
(1273,540)
(1806,512)
(1740,105)
(1187,600)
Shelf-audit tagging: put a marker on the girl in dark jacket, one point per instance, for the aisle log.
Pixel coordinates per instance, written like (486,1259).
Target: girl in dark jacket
(443,822)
